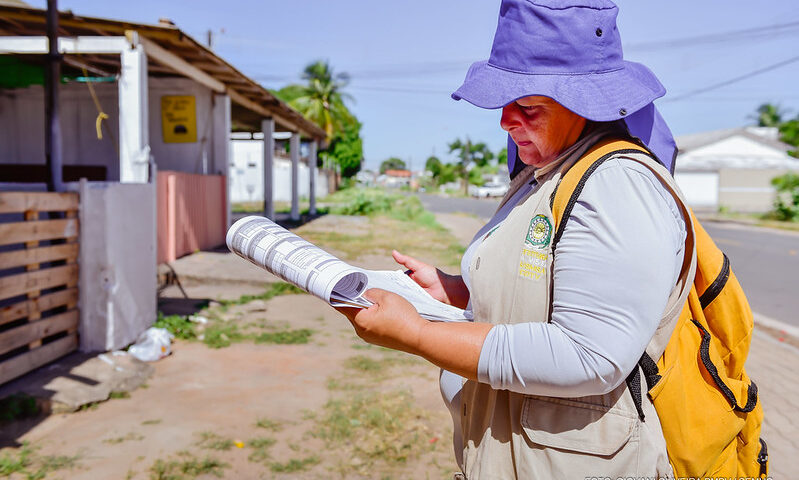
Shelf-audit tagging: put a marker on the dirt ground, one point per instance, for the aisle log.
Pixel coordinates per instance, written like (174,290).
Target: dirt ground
(333,407)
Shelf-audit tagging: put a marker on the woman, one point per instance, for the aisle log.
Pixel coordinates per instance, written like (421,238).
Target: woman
(536,383)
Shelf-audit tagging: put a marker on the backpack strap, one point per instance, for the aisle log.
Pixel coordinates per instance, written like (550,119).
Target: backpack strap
(572,182)
(562,203)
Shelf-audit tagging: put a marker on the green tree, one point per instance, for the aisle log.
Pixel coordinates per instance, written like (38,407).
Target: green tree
(789,133)
(469,153)
(321,100)
(392,163)
(769,115)
(346,149)
(433,165)
(502,156)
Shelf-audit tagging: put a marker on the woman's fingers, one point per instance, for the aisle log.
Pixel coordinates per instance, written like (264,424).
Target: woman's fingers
(407,261)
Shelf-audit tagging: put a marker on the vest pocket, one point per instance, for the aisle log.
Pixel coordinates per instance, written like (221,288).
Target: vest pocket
(576,426)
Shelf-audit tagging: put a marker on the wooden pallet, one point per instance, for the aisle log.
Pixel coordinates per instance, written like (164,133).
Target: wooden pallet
(38,280)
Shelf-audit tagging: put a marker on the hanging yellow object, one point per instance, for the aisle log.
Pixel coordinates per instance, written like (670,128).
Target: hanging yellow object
(98,124)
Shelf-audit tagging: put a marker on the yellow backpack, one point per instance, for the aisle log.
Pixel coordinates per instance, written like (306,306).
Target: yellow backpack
(706,403)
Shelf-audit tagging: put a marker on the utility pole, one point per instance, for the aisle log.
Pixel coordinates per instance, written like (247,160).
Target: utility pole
(52,126)
(210,39)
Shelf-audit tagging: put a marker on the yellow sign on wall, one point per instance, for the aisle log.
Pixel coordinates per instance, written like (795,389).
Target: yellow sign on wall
(179,118)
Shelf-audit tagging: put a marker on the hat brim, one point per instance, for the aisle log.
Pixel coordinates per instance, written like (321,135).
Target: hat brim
(600,97)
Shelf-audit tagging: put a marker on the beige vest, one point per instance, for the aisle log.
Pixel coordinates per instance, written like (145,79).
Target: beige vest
(509,435)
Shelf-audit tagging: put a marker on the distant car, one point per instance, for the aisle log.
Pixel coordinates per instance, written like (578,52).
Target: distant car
(488,190)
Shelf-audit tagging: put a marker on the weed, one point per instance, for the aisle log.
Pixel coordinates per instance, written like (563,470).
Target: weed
(387,426)
(260,448)
(294,465)
(219,335)
(273,290)
(363,363)
(89,406)
(179,326)
(212,441)
(17,406)
(15,463)
(119,395)
(118,440)
(34,467)
(186,467)
(285,337)
(268,424)
(155,421)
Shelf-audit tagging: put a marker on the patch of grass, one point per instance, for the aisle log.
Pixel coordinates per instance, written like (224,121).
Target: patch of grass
(17,406)
(25,461)
(370,365)
(186,467)
(273,290)
(388,427)
(220,335)
(118,440)
(11,463)
(179,326)
(260,448)
(154,421)
(285,337)
(268,424)
(385,233)
(117,395)
(212,441)
(294,465)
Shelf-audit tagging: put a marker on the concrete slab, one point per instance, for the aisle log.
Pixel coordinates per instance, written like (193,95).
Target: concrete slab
(80,379)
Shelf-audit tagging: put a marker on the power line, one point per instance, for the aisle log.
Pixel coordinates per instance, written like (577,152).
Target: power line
(730,81)
(765,32)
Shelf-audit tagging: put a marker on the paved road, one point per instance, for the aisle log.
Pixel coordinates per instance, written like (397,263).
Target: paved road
(765,261)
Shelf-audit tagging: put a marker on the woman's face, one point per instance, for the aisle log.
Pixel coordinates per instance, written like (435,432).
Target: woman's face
(541,128)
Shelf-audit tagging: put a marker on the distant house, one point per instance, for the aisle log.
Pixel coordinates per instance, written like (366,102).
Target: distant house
(732,168)
(395,178)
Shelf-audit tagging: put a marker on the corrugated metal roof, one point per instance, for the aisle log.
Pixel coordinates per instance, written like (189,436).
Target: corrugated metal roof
(251,101)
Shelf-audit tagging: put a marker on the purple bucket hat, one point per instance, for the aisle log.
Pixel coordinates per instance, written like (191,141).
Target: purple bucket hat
(570,51)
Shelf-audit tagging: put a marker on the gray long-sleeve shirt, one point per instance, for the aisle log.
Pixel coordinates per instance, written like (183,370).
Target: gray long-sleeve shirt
(617,261)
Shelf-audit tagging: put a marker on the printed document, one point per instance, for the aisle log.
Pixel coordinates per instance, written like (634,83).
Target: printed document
(299,262)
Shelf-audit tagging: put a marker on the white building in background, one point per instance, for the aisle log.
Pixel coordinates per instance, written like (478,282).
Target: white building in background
(247,172)
(732,168)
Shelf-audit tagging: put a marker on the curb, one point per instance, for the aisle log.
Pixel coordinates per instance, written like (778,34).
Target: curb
(777,327)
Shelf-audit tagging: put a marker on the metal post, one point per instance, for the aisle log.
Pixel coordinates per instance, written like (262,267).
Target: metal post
(312,164)
(52,127)
(268,128)
(294,146)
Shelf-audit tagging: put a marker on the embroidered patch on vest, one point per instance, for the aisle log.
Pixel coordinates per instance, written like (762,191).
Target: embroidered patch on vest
(540,232)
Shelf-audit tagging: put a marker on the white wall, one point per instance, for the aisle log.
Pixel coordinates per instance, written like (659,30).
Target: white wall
(118,278)
(22,127)
(247,179)
(701,189)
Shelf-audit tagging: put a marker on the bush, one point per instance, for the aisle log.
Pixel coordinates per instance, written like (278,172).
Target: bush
(786,205)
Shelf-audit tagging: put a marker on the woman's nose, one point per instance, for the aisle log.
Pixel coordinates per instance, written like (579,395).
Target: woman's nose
(510,116)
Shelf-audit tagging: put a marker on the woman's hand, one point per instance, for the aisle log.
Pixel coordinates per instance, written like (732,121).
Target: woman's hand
(390,322)
(445,288)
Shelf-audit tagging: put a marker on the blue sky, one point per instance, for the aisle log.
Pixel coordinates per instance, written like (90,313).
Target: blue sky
(406,57)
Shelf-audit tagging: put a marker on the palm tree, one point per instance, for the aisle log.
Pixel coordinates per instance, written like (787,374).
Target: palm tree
(468,153)
(769,115)
(322,99)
